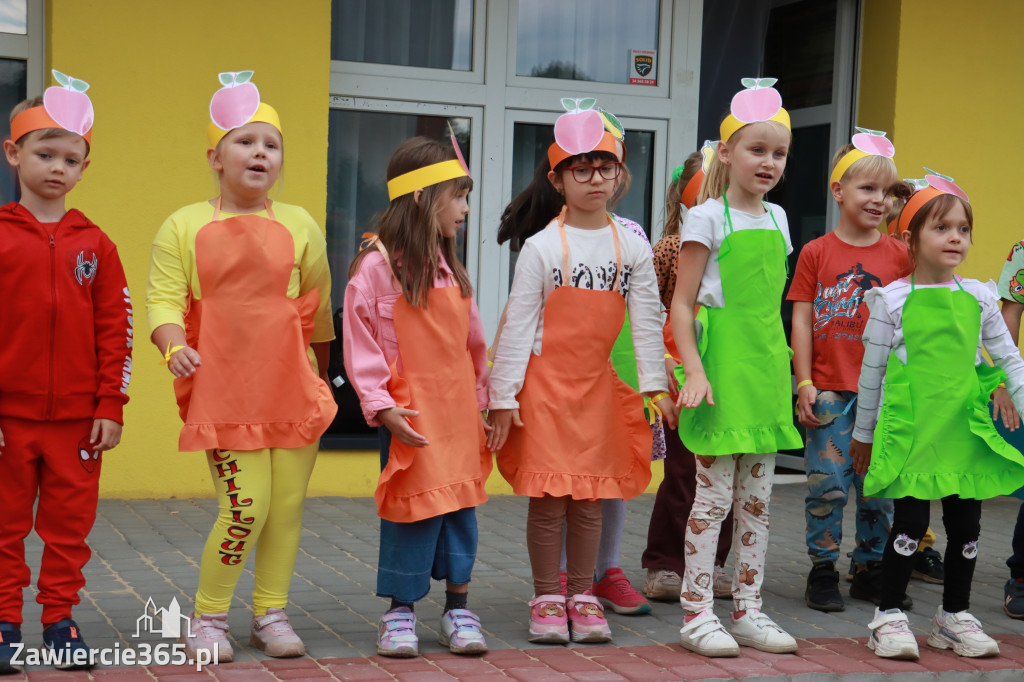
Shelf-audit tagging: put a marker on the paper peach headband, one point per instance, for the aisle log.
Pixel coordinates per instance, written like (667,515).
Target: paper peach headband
(865,143)
(583,128)
(65,106)
(757,103)
(932,185)
(237,103)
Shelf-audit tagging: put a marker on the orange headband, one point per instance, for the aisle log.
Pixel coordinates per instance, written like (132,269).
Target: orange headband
(557,155)
(36,118)
(692,189)
(914,204)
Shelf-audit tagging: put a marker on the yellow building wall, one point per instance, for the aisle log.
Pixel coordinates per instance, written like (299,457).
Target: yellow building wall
(956,107)
(152,68)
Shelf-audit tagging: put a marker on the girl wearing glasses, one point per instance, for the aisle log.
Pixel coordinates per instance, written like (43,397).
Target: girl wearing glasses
(568,432)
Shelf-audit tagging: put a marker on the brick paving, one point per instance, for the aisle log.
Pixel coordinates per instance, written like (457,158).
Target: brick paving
(150,548)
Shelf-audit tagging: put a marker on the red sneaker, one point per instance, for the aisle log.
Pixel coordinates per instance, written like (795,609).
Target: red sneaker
(615,591)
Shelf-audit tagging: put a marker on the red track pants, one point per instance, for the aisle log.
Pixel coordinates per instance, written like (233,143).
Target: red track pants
(45,460)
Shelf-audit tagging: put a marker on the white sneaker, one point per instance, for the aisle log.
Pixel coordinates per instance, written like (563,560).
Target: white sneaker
(755,629)
(706,636)
(662,585)
(962,633)
(891,636)
(721,583)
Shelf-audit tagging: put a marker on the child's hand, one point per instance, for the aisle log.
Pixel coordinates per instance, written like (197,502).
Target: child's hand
(669,412)
(184,362)
(106,434)
(501,423)
(694,391)
(805,399)
(483,418)
(1001,403)
(861,454)
(395,419)
(670,372)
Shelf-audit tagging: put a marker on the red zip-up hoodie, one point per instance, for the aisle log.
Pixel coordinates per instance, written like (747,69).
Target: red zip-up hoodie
(66,320)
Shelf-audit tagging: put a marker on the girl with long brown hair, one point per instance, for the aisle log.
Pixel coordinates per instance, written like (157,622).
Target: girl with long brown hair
(416,355)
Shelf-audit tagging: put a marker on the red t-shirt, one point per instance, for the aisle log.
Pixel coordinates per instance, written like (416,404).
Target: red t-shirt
(834,276)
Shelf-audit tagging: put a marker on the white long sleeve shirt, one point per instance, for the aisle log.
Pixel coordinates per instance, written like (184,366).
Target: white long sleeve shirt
(883,334)
(592,261)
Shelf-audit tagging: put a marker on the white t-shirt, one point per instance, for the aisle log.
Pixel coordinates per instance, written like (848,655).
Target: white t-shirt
(705,224)
(883,334)
(592,261)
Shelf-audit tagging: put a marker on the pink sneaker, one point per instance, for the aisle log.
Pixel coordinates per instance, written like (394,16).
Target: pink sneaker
(548,622)
(615,591)
(274,635)
(208,632)
(587,619)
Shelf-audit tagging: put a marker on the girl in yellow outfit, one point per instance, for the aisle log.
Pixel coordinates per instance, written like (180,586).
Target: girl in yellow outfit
(239,303)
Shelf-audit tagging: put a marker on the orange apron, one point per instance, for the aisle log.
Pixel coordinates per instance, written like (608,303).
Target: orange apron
(584,432)
(256,387)
(439,381)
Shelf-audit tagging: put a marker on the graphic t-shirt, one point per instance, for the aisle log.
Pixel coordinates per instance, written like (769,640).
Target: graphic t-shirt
(834,276)
(1011,279)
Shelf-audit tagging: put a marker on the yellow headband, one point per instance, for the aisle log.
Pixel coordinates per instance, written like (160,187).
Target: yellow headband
(264,114)
(851,157)
(425,177)
(731,124)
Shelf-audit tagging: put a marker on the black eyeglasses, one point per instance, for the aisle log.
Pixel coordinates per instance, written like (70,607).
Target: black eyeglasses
(608,171)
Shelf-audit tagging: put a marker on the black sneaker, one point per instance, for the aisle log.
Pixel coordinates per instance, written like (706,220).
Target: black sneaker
(822,593)
(867,585)
(928,567)
(64,638)
(9,636)
(1014,604)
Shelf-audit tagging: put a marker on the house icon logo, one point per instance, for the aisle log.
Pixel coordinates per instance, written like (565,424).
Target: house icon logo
(164,622)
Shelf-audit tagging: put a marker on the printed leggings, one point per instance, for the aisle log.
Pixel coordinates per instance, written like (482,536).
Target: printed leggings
(962,520)
(744,483)
(261,494)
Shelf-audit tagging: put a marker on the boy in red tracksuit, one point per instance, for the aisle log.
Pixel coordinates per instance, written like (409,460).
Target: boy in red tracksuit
(65,363)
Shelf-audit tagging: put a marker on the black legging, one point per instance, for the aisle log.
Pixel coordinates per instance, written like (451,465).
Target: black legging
(962,520)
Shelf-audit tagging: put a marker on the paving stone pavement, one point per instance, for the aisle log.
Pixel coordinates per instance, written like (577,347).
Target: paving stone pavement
(150,549)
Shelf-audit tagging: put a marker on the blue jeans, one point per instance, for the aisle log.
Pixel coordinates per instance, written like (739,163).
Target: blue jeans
(830,476)
(442,547)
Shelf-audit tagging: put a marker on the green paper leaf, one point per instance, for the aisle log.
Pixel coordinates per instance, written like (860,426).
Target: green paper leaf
(938,174)
(79,86)
(767,82)
(226,78)
(880,133)
(614,121)
(243,77)
(862,130)
(748,82)
(568,104)
(587,103)
(60,78)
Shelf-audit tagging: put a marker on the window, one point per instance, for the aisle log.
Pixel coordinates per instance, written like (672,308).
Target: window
(584,40)
(434,34)
(20,60)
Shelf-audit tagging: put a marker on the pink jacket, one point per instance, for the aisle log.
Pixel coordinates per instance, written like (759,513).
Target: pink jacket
(370,342)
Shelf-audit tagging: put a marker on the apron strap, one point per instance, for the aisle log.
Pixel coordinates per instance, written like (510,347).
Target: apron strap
(956,280)
(726,247)
(373,239)
(266,206)
(565,247)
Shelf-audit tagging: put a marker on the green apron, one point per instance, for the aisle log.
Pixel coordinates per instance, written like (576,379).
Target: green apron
(746,358)
(935,436)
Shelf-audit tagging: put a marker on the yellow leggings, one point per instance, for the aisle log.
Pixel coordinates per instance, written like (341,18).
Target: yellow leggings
(261,494)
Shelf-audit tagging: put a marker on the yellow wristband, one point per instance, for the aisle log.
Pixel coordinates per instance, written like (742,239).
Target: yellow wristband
(660,396)
(668,356)
(169,352)
(1002,385)
(805,382)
